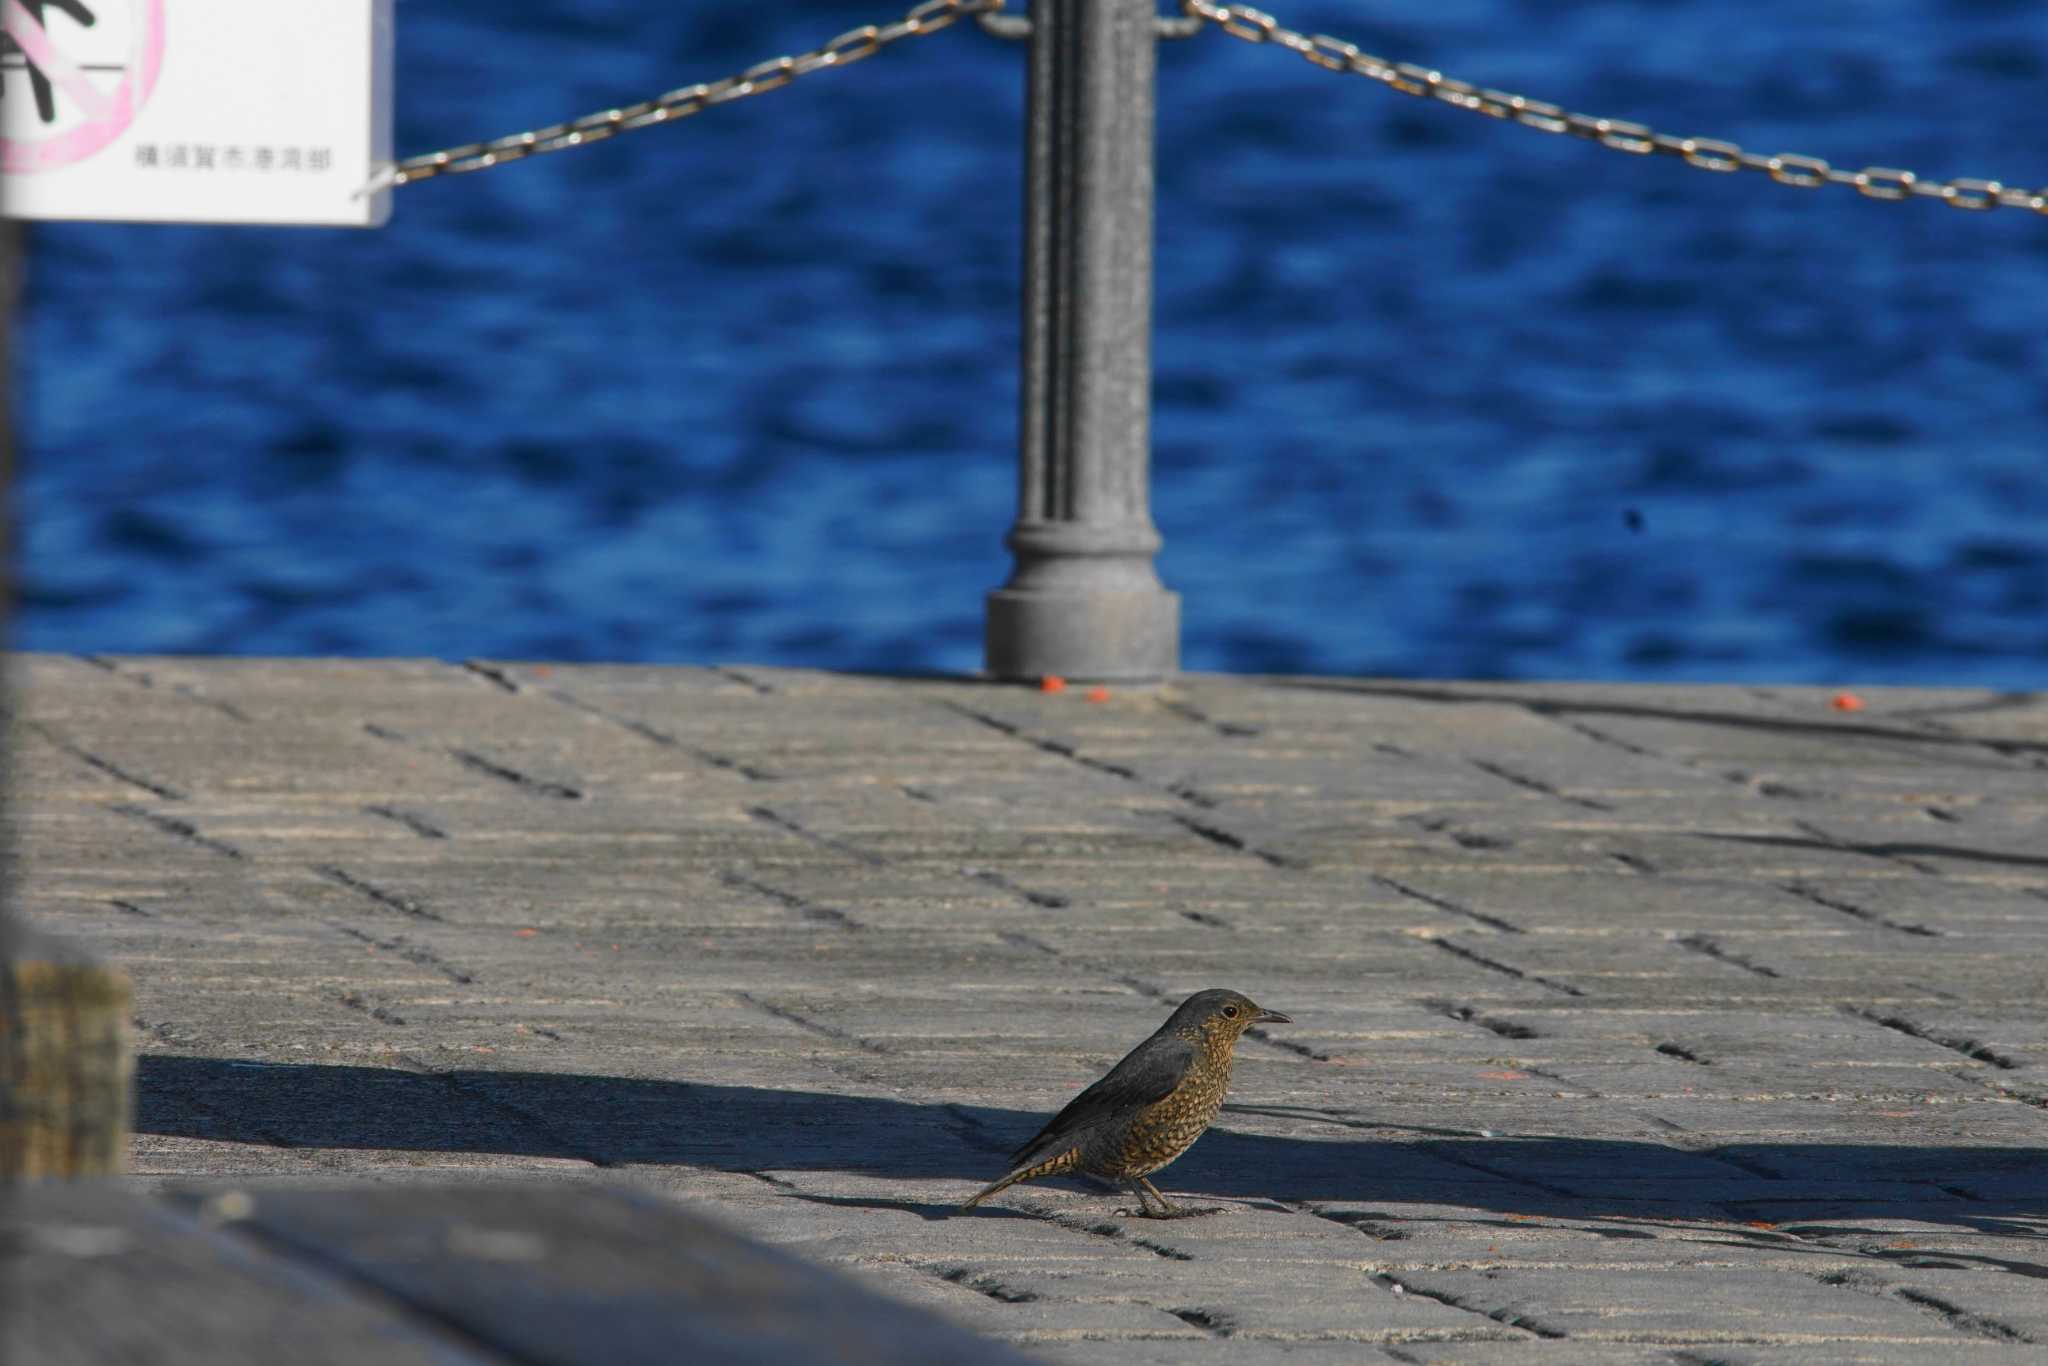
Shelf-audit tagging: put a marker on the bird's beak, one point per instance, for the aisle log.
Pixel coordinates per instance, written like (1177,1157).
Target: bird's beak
(1272,1017)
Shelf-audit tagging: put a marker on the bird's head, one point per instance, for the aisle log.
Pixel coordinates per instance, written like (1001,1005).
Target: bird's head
(1221,1015)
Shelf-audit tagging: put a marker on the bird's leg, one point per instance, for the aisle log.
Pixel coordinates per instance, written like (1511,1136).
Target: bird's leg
(1141,1188)
(1169,1210)
(1166,1207)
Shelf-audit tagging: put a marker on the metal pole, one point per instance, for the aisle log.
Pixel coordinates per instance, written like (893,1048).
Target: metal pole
(1084,601)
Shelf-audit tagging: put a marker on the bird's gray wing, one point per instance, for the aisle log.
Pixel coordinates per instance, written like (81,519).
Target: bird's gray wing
(1148,1073)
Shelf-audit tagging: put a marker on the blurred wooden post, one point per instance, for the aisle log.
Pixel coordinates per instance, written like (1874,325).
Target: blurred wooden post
(66,1072)
(10,275)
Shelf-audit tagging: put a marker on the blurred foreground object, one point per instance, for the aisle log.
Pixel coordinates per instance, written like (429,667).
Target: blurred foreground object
(66,1073)
(567,1273)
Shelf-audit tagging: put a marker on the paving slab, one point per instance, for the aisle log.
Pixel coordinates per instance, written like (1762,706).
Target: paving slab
(484,1274)
(1634,1023)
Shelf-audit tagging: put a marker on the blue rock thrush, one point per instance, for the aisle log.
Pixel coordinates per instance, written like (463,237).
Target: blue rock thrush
(1150,1108)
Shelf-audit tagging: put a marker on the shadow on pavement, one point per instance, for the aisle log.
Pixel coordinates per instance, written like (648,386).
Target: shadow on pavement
(1552,703)
(1887,849)
(620,1121)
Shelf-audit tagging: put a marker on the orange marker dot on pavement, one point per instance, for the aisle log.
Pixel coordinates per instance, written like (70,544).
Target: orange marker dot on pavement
(1052,683)
(1098,694)
(526,934)
(1847,701)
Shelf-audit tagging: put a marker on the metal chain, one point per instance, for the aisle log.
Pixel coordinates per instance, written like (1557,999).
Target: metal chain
(1239,21)
(1018,26)
(849,47)
(1706,154)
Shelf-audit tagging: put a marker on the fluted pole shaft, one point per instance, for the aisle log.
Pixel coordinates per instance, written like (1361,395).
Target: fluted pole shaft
(1084,601)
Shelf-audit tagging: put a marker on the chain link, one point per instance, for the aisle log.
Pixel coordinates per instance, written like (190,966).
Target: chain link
(1706,154)
(1017,27)
(849,47)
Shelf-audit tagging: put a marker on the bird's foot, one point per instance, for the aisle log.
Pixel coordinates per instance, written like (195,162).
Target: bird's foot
(1174,1212)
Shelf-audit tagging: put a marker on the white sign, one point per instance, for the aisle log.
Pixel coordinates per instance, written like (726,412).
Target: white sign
(196,111)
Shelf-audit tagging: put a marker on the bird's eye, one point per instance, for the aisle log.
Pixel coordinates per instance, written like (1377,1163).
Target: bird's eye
(1230,1012)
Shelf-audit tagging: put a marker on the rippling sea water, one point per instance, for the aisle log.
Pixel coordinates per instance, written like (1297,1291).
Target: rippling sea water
(1434,395)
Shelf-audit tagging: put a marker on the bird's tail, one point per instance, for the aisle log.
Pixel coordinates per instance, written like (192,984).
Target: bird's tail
(986,1191)
(1052,1166)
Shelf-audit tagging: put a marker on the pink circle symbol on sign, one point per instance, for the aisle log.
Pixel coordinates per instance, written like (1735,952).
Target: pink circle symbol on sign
(105,114)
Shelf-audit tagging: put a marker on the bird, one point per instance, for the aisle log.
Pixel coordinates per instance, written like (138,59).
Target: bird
(1149,1108)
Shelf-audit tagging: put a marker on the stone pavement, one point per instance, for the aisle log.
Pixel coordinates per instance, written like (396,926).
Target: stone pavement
(1682,1024)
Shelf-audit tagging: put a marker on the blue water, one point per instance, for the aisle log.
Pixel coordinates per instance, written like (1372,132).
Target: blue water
(1434,395)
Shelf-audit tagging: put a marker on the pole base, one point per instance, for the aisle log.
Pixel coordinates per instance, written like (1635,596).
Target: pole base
(1117,637)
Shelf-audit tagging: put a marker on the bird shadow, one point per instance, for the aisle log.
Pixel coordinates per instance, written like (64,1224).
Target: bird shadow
(1344,1162)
